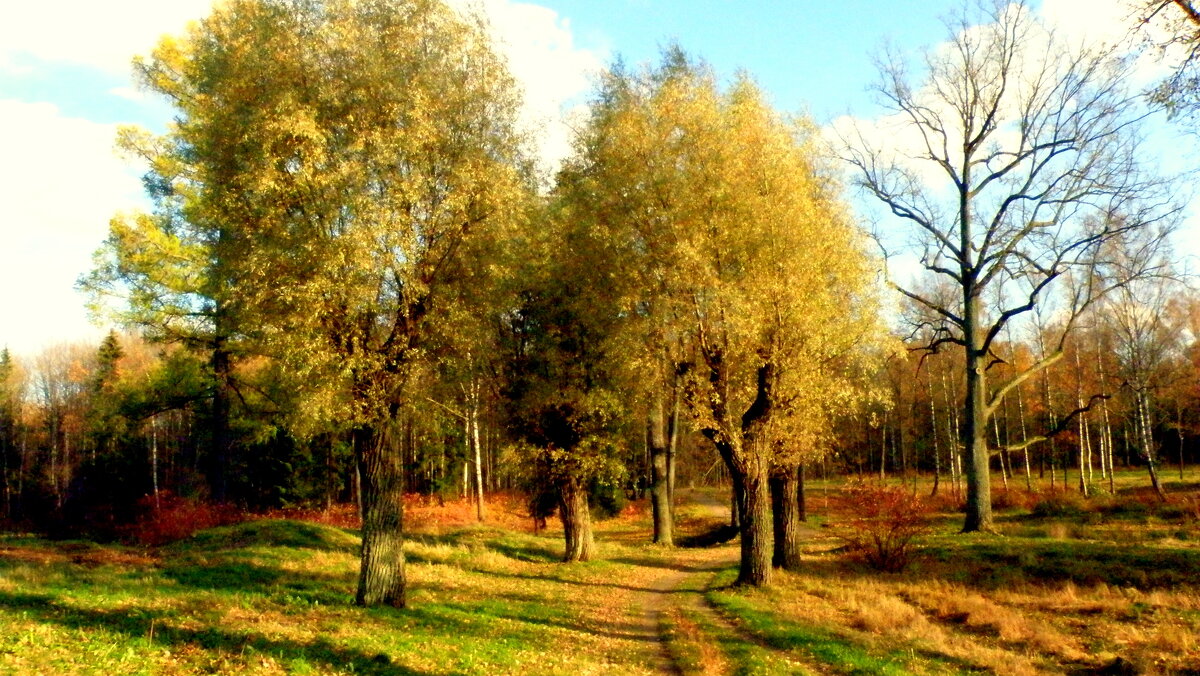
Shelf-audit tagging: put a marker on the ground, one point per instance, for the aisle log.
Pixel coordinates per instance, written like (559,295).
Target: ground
(1108,585)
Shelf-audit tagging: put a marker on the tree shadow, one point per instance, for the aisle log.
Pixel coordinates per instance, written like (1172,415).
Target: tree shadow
(446,616)
(999,563)
(272,533)
(244,577)
(663,565)
(533,552)
(137,624)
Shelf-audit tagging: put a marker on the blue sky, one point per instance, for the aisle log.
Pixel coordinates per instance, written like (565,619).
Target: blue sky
(65,86)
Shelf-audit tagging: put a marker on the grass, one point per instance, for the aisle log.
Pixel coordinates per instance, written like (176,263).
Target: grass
(1106,585)
(272,597)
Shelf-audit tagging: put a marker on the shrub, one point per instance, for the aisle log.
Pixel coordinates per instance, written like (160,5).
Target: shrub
(1059,503)
(1013,498)
(174,518)
(880,523)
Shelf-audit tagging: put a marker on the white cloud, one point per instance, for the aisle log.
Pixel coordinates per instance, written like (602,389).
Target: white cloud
(554,72)
(60,182)
(103,35)
(1109,24)
(129,94)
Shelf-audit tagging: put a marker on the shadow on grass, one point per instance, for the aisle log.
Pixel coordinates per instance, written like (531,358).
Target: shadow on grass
(995,563)
(457,618)
(716,535)
(251,578)
(272,533)
(137,624)
(661,564)
(530,552)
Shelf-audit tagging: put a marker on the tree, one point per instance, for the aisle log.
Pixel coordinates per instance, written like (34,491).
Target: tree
(1172,27)
(1024,161)
(1148,345)
(10,409)
(347,153)
(738,247)
(563,403)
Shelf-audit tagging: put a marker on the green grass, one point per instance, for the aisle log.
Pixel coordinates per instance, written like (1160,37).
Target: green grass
(274,597)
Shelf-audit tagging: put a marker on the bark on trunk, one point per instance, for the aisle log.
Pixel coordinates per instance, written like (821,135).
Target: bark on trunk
(660,493)
(1143,413)
(222,436)
(801,498)
(978,470)
(576,521)
(785,513)
(477,454)
(381,580)
(753,507)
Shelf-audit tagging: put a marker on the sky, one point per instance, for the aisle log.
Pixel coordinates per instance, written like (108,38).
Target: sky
(66,87)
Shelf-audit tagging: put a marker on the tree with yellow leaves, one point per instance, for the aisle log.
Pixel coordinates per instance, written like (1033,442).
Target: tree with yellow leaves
(340,157)
(741,262)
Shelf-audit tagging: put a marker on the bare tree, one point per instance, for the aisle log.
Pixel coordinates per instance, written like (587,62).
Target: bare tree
(1022,161)
(1148,345)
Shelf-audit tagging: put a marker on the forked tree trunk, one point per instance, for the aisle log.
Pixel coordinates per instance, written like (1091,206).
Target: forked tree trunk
(381,579)
(576,521)
(785,513)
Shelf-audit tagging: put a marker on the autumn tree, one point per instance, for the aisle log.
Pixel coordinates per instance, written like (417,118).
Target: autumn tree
(1011,164)
(346,152)
(562,389)
(738,247)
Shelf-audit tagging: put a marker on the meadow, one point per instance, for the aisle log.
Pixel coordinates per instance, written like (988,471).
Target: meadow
(1109,585)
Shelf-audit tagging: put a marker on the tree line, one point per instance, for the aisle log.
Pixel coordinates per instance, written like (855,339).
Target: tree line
(354,281)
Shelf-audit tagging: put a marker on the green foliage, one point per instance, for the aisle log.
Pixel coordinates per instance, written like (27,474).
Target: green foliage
(606,499)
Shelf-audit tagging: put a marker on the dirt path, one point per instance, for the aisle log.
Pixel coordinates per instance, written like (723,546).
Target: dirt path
(676,597)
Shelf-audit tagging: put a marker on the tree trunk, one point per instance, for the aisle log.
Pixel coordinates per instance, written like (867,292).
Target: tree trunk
(974,432)
(753,507)
(933,428)
(735,501)
(672,446)
(801,498)
(222,435)
(576,521)
(660,494)
(473,417)
(1147,439)
(1025,449)
(785,513)
(381,574)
